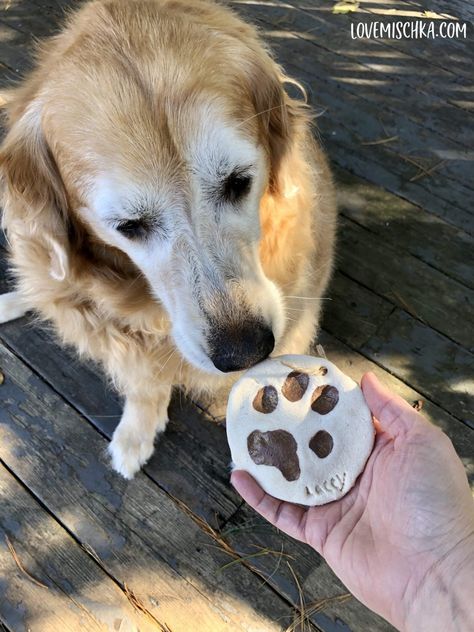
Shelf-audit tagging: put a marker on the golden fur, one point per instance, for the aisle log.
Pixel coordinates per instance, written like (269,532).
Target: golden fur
(100,93)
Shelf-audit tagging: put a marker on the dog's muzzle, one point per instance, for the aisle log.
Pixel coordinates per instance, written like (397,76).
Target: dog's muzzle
(235,348)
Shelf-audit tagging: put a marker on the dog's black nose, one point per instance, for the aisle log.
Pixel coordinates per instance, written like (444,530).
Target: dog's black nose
(238,348)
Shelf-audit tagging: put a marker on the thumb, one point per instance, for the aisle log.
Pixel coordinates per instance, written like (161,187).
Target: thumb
(392,412)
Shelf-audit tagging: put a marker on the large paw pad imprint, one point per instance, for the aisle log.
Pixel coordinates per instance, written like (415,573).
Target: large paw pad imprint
(278,447)
(275,447)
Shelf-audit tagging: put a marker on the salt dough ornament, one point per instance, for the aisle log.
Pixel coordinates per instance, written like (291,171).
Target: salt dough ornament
(300,427)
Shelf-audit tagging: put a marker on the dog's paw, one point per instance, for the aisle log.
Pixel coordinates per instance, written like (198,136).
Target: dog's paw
(128,452)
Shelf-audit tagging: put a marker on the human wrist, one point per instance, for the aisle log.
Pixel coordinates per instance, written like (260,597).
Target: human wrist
(443,601)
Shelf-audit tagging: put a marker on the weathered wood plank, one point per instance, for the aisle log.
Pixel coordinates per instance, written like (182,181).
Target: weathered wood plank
(15,49)
(456,8)
(29,18)
(381,100)
(344,127)
(356,114)
(141,537)
(385,173)
(407,227)
(374,59)
(407,282)
(365,69)
(435,52)
(353,312)
(54,11)
(282,558)
(76,594)
(432,364)
(439,50)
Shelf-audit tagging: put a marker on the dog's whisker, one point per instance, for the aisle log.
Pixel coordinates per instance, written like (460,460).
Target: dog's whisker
(166,356)
(180,370)
(163,359)
(171,355)
(166,353)
(310,298)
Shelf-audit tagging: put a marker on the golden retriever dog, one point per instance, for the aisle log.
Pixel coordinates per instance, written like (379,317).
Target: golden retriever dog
(165,204)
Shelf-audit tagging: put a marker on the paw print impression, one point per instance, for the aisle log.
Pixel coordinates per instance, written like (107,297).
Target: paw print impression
(295,386)
(321,444)
(300,427)
(277,448)
(266,400)
(324,399)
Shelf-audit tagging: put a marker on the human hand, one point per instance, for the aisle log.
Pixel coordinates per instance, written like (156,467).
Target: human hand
(404,532)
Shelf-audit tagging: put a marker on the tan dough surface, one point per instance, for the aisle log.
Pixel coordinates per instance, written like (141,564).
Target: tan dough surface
(300,427)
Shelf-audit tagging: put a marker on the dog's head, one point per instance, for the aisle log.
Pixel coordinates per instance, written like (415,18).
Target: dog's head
(163,150)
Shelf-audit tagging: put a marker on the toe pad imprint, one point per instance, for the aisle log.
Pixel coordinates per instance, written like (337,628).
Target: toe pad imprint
(321,444)
(295,386)
(324,399)
(266,400)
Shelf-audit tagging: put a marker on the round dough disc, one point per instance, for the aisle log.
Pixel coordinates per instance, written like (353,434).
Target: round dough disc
(300,427)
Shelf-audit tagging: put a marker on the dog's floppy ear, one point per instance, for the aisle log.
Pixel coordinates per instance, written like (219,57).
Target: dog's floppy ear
(282,120)
(33,195)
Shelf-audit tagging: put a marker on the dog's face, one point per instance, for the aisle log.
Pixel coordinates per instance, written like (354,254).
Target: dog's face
(168,163)
(187,215)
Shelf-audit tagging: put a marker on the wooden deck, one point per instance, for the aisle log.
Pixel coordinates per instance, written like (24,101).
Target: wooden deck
(176,549)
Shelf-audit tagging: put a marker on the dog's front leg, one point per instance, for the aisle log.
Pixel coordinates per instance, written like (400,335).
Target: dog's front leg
(133,440)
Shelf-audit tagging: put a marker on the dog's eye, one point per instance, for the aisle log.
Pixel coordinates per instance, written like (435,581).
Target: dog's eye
(133,228)
(236,186)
